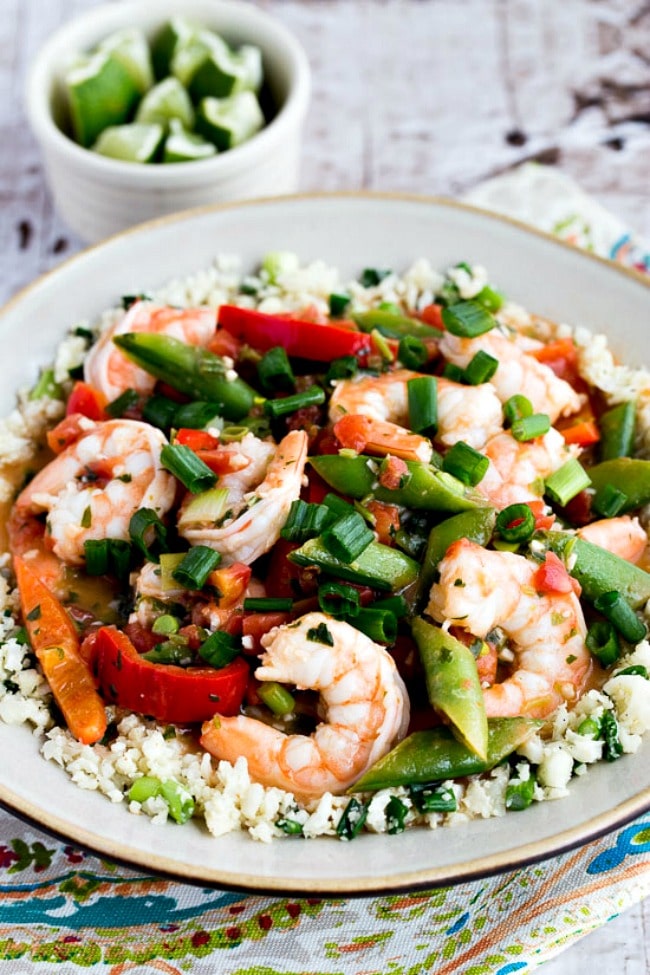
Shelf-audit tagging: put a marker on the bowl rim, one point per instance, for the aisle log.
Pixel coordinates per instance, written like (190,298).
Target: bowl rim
(107,17)
(529,851)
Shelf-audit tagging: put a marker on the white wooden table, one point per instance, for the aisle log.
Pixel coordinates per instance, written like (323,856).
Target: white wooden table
(428,96)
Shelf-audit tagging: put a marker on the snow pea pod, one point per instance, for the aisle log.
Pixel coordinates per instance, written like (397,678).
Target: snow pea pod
(393,325)
(599,571)
(629,475)
(477,525)
(378,566)
(435,754)
(453,684)
(425,488)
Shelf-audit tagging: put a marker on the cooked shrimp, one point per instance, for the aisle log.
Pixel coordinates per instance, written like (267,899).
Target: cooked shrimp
(469,413)
(518,468)
(623,536)
(91,489)
(259,514)
(108,369)
(517,372)
(481,589)
(365,709)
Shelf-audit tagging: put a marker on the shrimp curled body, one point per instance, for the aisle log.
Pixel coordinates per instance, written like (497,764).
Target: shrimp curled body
(258,512)
(480,590)
(108,369)
(364,703)
(91,490)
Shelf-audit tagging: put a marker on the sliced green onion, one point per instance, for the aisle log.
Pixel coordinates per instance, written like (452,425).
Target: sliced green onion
(620,614)
(603,643)
(159,411)
(412,352)
(148,533)
(268,604)
(338,600)
(175,651)
(396,812)
(465,463)
(233,434)
(531,427)
(189,469)
(345,367)
(96,555)
(338,302)
(481,368)
(453,372)
(609,733)
(433,797)
(205,509)
(378,624)
(313,396)
(566,482)
(144,788)
(196,415)
(637,670)
(277,698)
(179,801)
(516,523)
(275,372)
(193,571)
(289,826)
(372,276)
(219,649)
(352,819)
(348,537)
(609,501)
(119,557)
(165,625)
(517,408)
(490,298)
(467,319)
(519,795)
(423,405)
(305,521)
(338,506)
(46,385)
(396,604)
(617,431)
(122,403)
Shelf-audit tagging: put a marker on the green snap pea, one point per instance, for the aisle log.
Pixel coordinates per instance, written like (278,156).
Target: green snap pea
(630,476)
(596,569)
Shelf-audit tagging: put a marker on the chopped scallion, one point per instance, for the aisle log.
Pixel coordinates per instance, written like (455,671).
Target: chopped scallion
(372,276)
(268,604)
(275,408)
(123,403)
(517,408)
(467,319)
(422,394)
(277,698)
(338,302)
(219,649)
(433,797)
(189,469)
(570,479)
(193,571)
(148,533)
(453,372)
(378,624)
(196,415)
(412,352)
(348,537)
(159,411)
(481,368)
(620,614)
(352,819)
(516,523)
(338,599)
(305,521)
(519,793)
(275,372)
(531,427)
(465,463)
(609,501)
(165,625)
(490,298)
(345,367)
(603,643)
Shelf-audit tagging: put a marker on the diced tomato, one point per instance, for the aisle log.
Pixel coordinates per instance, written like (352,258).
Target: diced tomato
(196,439)
(142,638)
(387,520)
(578,510)
(393,470)
(486,664)
(66,432)
(552,577)
(255,625)
(179,695)
(432,315)
(542,521)
(223,343)
(87,400)
(222,461)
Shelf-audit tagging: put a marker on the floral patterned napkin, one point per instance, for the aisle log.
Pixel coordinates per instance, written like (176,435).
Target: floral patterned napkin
(65,910)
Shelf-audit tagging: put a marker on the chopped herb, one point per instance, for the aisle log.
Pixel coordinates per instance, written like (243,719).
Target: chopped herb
(396,812)
(351,822)
(34,614)
(320,634)
(609,733)
(87,517)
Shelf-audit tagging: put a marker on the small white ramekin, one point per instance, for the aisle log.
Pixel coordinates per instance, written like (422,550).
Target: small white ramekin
(98,196)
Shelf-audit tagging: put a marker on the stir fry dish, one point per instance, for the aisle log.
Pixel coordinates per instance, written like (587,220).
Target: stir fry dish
(310,558)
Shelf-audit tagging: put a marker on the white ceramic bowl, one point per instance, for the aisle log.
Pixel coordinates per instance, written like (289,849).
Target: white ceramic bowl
(98,196)
(350,232)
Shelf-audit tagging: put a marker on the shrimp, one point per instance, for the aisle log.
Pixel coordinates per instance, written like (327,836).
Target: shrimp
(517,372)
(108,369)
(91,489)
(479,590)
(623,536)
(469,413)
(365,709)
(257,515)
(517,468)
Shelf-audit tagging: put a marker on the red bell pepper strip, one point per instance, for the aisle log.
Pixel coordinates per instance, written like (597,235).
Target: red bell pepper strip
(307,340)
(54,638)
(178,695)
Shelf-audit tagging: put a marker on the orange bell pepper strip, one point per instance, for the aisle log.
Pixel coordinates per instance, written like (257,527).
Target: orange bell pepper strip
(56,644)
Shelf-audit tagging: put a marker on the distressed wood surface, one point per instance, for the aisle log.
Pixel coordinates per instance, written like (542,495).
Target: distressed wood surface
(427,96)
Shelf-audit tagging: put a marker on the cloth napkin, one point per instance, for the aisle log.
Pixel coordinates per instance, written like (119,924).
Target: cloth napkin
(66,910)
